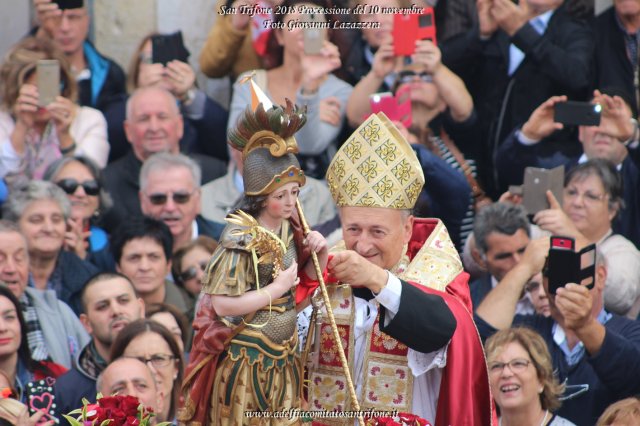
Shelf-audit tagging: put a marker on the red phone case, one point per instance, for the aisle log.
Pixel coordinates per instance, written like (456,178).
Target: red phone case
(396,108)
(407,29)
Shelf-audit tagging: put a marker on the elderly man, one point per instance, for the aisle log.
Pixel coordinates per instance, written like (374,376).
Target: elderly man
(53,330)
(109,303)
(613,140)
(405,314)
(594,351)
(501,234)
(153,125)
(130,376)
(170,192)
(99,78)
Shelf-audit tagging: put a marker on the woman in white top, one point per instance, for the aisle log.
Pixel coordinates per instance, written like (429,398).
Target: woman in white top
(33,136)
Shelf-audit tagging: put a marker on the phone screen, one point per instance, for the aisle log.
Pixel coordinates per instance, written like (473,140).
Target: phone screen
(314,37)
(48,71)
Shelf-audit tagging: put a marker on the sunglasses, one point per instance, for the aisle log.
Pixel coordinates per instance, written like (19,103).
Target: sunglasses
(91,187)
(192,272)
(405,77)
(177,197)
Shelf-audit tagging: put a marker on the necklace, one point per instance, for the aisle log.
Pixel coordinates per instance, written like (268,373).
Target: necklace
(544,419)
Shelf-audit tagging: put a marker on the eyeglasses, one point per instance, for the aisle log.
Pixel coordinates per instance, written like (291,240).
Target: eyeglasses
(145,58)
(588,196)
(191,272)
(532,287)
(157,360)
(518,365)
(159,199)
(91,187)
(405,77)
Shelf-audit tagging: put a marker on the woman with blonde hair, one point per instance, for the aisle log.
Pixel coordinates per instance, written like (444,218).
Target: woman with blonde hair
(32,136)
(521,379)
(625,412)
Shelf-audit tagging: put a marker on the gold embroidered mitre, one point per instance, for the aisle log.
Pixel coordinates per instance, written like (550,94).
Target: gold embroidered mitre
(375,167)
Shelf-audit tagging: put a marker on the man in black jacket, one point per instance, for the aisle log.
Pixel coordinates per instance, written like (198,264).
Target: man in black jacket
(616,33)
(517,57)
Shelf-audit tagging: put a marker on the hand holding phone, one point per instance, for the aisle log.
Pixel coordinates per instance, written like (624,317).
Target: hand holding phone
(427,54)
(167,47)
(537,182)
(566,265)
(26,105)
(577,113)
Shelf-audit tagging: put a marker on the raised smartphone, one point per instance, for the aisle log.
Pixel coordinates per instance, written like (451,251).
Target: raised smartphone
(314,37)
(577,113)
(48,81)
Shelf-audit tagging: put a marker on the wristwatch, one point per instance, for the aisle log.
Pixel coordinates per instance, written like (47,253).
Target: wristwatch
(189,96)
(634,136)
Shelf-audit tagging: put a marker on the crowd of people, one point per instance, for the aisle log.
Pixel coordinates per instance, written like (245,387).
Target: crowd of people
(157,243)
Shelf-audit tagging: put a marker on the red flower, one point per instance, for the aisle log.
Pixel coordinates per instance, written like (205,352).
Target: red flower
(129,405)
(109,402)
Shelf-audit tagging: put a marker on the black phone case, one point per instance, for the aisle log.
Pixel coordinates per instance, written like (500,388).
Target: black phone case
(563,267)
(69,4)
(166,48)
(577,113)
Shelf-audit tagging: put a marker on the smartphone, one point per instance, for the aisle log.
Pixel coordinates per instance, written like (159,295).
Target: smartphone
(314,37)
(168,47)
(396,107)
(408,28)
(69,4)
(564,265)
(536,184)
(48,80)
(577,113)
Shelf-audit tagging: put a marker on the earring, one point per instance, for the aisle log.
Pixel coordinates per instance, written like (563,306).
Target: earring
(540,390)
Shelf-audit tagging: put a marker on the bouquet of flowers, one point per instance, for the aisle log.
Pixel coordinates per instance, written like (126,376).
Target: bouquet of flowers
(112,411)
(401,419)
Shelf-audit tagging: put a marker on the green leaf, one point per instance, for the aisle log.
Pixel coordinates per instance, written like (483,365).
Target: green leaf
(72,421)
(106,422)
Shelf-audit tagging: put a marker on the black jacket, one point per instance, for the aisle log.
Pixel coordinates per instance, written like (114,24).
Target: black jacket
(557,63)
(612,66)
